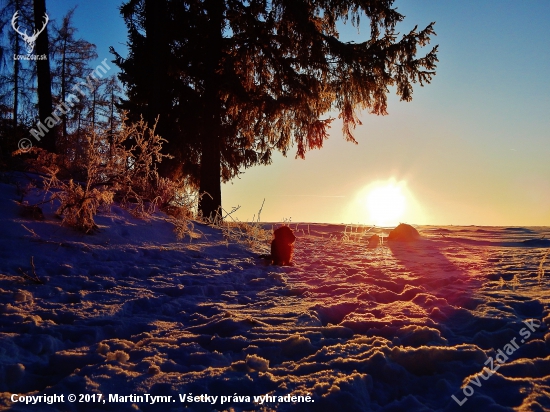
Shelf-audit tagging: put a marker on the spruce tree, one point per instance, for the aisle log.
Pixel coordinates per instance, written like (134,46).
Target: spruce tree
(44,84)
(232,81)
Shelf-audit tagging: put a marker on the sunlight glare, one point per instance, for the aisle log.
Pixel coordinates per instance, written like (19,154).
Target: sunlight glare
(386,204)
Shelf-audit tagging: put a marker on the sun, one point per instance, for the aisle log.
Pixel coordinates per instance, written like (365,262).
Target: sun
(386,204)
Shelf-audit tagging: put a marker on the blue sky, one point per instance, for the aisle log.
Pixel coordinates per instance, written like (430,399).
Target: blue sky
(471,148)
(97,21)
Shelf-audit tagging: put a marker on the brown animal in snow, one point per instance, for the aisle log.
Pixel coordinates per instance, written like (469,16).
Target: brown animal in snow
(282,246)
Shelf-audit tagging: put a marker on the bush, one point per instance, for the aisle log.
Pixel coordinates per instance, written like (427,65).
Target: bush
(79,204)
(107,167)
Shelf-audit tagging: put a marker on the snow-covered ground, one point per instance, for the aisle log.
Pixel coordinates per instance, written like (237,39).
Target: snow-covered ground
(132,311)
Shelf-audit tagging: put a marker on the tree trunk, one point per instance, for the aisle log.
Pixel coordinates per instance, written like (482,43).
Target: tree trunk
(158,49)
(210,185)
(94,105)
(16,85)
(43,74)
(159,101)
(63,89)
(112,123)
(210,176)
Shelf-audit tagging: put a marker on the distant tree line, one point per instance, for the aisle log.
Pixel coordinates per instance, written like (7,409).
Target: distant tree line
(30,90)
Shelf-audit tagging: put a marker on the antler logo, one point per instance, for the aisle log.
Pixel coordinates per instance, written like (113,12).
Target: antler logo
(30,40)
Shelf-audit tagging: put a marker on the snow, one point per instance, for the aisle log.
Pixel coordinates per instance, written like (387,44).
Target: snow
(399,327)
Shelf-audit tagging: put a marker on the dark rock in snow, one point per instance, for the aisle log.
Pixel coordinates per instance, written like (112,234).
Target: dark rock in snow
(404,233)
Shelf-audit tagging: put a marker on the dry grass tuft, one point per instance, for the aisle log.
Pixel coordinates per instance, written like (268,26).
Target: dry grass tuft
(251,234)
(356,233)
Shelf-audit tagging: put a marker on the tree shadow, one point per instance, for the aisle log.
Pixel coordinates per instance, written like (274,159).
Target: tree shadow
(435,271)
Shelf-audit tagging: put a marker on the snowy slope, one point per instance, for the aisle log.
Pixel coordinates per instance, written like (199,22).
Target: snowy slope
(131,311)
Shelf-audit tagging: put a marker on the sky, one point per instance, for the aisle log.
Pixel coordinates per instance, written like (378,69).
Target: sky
(472,148)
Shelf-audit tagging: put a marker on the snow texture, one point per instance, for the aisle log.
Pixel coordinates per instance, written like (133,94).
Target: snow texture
(404,326)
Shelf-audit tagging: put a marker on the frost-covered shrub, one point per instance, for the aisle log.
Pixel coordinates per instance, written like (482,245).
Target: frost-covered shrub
(132,169)
(78,201)
(79,204)
(106,167)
